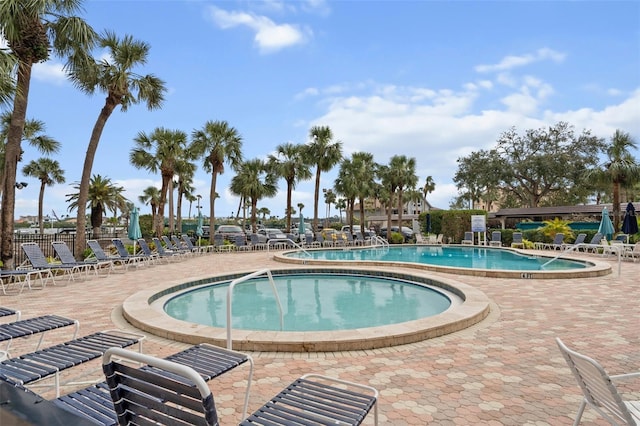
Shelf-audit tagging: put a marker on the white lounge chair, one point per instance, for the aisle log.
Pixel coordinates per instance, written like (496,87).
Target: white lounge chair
(633,253)
(599,391)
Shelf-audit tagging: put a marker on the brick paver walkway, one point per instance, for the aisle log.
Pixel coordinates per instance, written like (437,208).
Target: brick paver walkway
(505,370)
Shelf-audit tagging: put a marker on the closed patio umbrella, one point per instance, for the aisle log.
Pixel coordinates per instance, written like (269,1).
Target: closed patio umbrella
(199,229)
(606,226)
(630,222)
(301,229)
(134,232)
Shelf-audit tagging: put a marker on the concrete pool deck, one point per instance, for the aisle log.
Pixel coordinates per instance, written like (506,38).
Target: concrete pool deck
(504,370)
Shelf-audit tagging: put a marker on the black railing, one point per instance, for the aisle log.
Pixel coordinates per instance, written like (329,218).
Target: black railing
(45,240)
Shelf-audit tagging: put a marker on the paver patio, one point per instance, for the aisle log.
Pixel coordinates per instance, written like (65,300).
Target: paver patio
(505,370)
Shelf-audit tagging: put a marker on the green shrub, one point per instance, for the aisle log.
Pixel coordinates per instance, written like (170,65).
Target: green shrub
(396,238)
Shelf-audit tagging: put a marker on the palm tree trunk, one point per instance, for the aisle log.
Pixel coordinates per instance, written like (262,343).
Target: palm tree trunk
(289,191)
(40,206)
(172,219)
(362,218)
(616,205)
(12,155)
(316,197)
(212,204)
(83,196)
(161,204)
(400,209)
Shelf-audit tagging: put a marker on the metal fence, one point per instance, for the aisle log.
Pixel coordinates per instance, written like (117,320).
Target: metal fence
(45,240)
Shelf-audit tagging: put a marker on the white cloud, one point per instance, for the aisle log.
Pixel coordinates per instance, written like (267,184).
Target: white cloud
(439,126)
(510,62)
(269,36)
(50,71)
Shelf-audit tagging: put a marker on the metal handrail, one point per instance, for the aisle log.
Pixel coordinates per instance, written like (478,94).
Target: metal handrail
(240,281)
(379,240)
(293,243)
(584,245)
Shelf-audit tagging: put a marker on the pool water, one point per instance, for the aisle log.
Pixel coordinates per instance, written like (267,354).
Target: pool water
(459,257)
(310,302)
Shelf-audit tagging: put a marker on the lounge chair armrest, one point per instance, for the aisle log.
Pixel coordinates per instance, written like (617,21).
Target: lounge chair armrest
(625,376)
(330,379)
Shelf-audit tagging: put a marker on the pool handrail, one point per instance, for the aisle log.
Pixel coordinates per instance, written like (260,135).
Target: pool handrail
(379,240)
(240,281)
(578,247)
(293,243)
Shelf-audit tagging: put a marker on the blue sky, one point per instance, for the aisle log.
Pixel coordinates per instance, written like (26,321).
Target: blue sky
(434,80)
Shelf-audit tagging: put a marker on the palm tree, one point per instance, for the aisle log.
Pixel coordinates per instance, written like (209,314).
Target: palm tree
(264,211)
(33,30)
(184,173)
(347,186)
(48,171)
(290,164)
(364,171)
(151,196)
(324,154)
(7,82)
(114,76)
(33,134)
(103,196)
(254,182)
(428,188)
(620,170)
(402,174)
(160,151)
(217,143)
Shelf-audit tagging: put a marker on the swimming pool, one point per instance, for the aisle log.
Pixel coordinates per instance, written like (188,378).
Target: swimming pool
(311,302)
(145,310)
(479,261)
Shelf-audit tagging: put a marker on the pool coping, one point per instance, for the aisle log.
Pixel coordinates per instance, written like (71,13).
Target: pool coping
(142,313)
(597,269)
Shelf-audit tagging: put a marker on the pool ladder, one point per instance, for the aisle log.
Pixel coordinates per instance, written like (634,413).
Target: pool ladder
(241,280)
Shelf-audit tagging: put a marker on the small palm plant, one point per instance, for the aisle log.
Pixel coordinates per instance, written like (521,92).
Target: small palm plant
(557,226)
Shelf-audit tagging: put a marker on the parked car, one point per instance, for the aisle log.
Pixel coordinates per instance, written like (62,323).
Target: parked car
(230,232)
(407,233)
(271,233)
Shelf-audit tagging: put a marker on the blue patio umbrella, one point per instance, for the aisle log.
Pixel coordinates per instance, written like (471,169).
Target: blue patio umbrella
(301,229)
(134,232)
(606,226)
(630,222)
(199,229)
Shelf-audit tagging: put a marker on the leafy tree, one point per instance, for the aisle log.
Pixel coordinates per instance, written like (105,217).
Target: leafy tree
(33,134)
(116,77)
(289,163)
(542,166)
(324,154)
(103,196)
(33,30)
(48,171)
(160,151)
(254,182)
(217,143)
(477,178)
(621,169)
